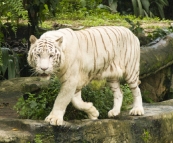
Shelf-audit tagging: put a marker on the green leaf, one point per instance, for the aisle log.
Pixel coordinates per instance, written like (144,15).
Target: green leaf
(146,5)
(134,3)
(11,69)
(140,8)
(5,58)
(146,14)
(113,5)
(160,8)
(33,104)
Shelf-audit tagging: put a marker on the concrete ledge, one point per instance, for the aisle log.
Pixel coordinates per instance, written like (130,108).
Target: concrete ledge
(156,126)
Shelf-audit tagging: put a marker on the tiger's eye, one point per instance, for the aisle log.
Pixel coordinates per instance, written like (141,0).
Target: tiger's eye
(51,56)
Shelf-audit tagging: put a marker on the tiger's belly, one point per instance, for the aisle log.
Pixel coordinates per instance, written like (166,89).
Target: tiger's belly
(111,72)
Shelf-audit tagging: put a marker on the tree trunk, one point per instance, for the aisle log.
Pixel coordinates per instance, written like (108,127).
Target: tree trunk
(156,70)
(156,56)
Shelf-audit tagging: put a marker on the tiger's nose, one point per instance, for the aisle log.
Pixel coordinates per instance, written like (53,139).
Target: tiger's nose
(44,69)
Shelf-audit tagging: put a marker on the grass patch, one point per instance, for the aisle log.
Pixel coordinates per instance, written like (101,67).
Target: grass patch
(103,18)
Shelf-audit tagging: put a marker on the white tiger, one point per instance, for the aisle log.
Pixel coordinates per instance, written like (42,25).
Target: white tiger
(77,57)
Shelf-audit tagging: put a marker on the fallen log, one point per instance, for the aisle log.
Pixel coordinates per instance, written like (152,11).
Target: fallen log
(157,56)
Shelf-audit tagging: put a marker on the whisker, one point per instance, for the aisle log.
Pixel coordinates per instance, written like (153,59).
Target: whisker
(34,73)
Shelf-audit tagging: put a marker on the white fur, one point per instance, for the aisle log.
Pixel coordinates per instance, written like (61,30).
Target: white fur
(94,53)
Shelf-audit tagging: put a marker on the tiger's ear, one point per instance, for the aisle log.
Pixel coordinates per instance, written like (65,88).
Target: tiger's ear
(59,40)
(32,39)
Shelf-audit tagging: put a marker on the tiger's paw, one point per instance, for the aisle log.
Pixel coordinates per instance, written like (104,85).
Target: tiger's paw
(113,113)
(93,113)
(54,119)
(138,110)
(93,116)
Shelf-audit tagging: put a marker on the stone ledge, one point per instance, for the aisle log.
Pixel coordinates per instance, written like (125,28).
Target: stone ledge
(156,126)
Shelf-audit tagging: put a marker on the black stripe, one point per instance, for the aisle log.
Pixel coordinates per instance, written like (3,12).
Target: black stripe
(63,74)
(95,44)
(111,68)
(104,63)
(86,38)
(133,88)
(102,40)
(62,82)
(70,31)
(90,37)
(78,35)
(110,40)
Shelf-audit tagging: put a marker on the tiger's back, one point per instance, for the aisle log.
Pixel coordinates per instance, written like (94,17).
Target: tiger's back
(109,51)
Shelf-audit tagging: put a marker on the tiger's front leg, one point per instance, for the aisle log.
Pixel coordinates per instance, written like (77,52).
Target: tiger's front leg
(63,99)
(87,107)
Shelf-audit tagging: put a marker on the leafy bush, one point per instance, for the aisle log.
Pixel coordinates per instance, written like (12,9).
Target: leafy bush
(128,97)
(160,32)
(135,27)
(38,106)
(11,11)
(76,5)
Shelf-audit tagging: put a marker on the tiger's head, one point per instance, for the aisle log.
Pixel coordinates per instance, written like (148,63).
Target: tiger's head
(45,55)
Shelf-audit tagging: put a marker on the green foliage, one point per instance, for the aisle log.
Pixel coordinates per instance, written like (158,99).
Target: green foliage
(160,32)
(141,7)
(157,34)
(113,5)
(128,97)
(38,138)
(41,9)
(149,7)
(157,7)
(69,5)
(9,63)
(76,9)
(77,5)
(146,137)
(135,27)
(38,106)
(10,11)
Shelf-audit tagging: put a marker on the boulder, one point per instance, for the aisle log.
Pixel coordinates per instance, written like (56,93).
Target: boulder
(11,90)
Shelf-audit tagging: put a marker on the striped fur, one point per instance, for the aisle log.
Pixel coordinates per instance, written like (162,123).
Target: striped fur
(77,57)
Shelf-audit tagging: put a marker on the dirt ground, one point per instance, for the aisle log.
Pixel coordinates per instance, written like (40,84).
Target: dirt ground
(6,106)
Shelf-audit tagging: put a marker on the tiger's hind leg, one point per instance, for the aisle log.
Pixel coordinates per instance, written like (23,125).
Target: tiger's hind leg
(118,98)
(137,98)
(87,107)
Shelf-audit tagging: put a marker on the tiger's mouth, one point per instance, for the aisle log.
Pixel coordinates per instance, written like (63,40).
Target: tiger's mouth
(45,76)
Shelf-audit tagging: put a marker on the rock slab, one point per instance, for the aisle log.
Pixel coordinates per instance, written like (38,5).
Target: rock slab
(156,126)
